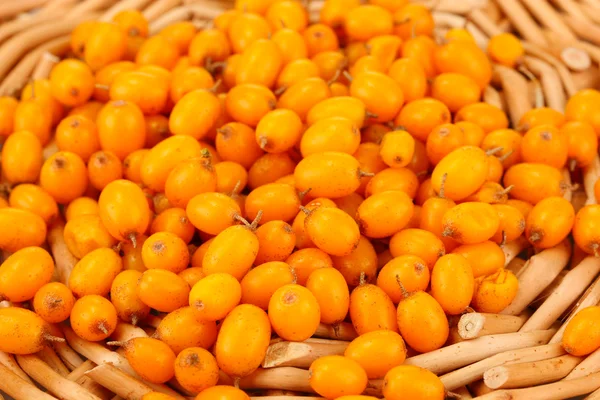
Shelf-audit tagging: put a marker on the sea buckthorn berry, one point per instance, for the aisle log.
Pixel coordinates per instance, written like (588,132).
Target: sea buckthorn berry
(505,144)
(245,29)
(491,193)
(269,168)
(304,261)
(232,251)
(165,156)
(470,222)
(287,14)
(370,161)
(332,230)
(8,106)
(64,176)
(302,96)
(401,179)
(277,201)
(175,221)
(385,48)
(163,290)
(485,258)
(95,272)
(294,312)
(450,272)
(549,222)
(24,272)
(260,64)
(33,115)
(545,144)
(473,133)
(349,107)
(157,130)
(186,119)
(585,229)
(349,204)
(189,79)
(213,212)
(397,148)
(158,51)
(190,178)
(196,369)
(121,128)
(486,116)
(192,275)
(419,117)
(371,309)
(336,376)
(123,295)
(367,21)
(132,22)
(320,38)
(79,36)
(21,157)
(493,293)
(411,271)
(464,58)
(124,210)
(209,44)
(421,48)
(383,214)
(276,241)
(181,329)
(229,175)
(364,64)
(165,250)
(329,174)
(331,63)
(330,134)
(261,282)
(93,318)
(214,296)
(540,116)
(132,165)
(512,222)
(412,382)
(330,289)
(72,82)
(455,90)
(222,393)
(105,45)
(381,95)
(581,336)
(334,12)
(33,332)
(236,142)
(362,261)
(248,103)
(432,212)
(292,46)
(103,168)
(411,77)
(583,107)
(377,352)
(296,71)
(533,182)
(35,199)
(411,20)
(106,76)
(243,341)
(86,233)
(53,302)
(150,358)
(505,49)
(582,143)
(417,242)
(442,140)
(128,86)
(422,322)
(451,172)
(132,256)
(78,135)
(22,228)
(278,131)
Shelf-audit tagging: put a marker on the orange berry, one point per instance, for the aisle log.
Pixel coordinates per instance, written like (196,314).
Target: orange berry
(409,270)
(377,352)
(232,251)
(419,117)
(53,302)
(24,272)
(121,128)
(64,176)
(505,49)
(72,82)
(123,295)
(336,376)
(330,289)
(181,330)
(417,242)
(371,309)
(412,382)
(163,290)
(93,318)
(95,272)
